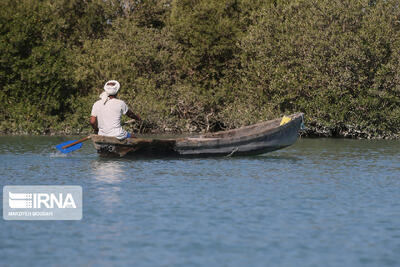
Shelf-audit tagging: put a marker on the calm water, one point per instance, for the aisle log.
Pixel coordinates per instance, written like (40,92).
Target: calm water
(321,202)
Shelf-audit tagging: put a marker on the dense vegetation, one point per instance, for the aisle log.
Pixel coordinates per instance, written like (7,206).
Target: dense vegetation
(197,65)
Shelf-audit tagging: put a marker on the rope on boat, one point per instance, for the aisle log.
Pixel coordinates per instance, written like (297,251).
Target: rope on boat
(233,151)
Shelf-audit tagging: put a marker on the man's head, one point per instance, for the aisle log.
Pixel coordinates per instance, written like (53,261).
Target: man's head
(111,87)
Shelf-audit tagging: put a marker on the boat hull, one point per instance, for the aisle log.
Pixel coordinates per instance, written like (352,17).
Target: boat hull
(250,140)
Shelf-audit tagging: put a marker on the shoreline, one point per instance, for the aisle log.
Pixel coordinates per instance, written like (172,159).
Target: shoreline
(345,132)
(310,131)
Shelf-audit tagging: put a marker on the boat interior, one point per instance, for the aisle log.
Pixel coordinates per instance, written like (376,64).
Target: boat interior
(243,131)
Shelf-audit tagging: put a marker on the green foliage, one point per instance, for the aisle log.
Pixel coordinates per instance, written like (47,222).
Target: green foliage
(196,65)
(34,74)
(147,13)
(75,21)
(208,32)
(36,66)
(326,58)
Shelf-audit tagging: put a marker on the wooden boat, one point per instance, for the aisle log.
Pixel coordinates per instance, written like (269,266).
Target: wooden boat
(249,140)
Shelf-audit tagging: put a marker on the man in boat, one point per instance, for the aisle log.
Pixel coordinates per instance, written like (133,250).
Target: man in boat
(107,112)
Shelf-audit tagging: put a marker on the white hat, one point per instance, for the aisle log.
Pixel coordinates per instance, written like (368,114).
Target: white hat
(110,88)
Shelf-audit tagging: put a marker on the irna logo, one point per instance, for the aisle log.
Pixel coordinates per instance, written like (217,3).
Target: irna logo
(40,200)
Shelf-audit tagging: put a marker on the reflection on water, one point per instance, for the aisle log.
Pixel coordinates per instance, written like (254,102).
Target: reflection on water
(108,175)
(108,171)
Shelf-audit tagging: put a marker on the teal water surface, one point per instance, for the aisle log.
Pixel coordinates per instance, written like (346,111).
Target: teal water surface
(320,202)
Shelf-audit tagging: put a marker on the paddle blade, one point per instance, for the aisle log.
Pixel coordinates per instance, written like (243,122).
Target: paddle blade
(69,149)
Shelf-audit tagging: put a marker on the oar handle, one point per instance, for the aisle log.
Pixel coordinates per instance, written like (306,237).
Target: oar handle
(76,142)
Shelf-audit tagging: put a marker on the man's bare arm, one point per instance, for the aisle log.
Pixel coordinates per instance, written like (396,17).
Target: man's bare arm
(132,115)
(93,122)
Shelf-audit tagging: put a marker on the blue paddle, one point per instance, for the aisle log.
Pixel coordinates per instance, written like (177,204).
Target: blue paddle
(71,145)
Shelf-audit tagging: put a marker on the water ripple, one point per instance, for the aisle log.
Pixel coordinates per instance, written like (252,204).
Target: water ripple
(320,202)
